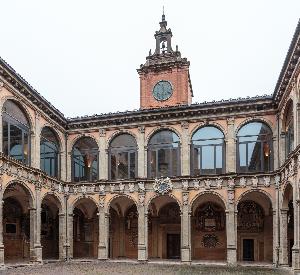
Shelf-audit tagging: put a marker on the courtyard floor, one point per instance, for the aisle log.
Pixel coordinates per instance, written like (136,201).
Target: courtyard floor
(112,268)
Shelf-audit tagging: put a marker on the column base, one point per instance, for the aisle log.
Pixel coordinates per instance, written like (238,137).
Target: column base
(186,255)
(102,253)
(38,254)
(142,253)
(231,256)
(295,259)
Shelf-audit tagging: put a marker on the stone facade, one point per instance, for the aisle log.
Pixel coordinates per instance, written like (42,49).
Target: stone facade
(189,217)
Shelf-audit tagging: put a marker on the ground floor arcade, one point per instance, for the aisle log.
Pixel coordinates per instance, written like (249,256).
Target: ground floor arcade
(39,226)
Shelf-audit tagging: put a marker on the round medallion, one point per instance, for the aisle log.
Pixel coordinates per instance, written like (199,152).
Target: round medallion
(162,90)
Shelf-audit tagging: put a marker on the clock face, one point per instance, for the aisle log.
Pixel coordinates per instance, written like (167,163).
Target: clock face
(162,90)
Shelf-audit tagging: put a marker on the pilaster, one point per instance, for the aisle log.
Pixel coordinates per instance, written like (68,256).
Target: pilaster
(141,167)
(37,244)
(103,230)
(1,126)
(185,149)
(142,229)
(185,229)
(283,237)
(231,229)
(1,226)
(230,147)
(103,156)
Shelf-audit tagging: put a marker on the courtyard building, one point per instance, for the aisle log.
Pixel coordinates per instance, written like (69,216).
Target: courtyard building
(215,181)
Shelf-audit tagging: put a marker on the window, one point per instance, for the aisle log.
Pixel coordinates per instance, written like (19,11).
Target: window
(254,148)
(85,160)
(49,152)
(289,129)
(164,155)
(16,132)
(207,151)
(123,157)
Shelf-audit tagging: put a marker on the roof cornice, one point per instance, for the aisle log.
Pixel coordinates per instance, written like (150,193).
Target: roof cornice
(288,67)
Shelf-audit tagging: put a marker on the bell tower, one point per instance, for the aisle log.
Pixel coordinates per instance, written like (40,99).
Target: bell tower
(164,78)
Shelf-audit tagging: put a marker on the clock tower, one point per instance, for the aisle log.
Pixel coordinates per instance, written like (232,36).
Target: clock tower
(164,78)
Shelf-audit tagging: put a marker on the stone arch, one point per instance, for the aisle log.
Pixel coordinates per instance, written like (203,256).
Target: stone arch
(85,227)
(255,209)
(79,198)
(123,233)
(116,196)
(78,137)
(158,129)
(172,196)
(56,132)
(247,192)
(22,106)
(210,124)
(221,199)
(57,198)
(26,188)
(208,226)
(258,119)
(118,133)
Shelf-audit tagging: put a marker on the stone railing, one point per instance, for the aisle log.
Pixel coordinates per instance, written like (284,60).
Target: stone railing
(12,167)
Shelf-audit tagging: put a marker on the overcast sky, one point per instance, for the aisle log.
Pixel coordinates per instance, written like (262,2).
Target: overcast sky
(82,56)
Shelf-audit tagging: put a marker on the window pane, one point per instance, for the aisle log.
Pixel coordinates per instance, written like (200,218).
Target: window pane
(243,157)
(207,157)
(132,165)
(163,162)
(16,148)
(219,157)
(5,137)
(122,163)
(153,163)
(254,156)
(175,162)
(113,167)
(196,160)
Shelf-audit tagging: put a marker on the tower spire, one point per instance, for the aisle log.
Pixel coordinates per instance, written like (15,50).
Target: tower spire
(163,18)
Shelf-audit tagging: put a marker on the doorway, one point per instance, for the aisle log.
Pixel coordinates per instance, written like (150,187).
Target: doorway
(248,250)
(173,246)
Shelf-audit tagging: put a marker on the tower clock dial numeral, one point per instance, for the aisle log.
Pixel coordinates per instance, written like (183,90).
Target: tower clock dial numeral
(162,90)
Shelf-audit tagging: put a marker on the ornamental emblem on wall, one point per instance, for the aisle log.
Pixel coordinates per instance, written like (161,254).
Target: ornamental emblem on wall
(162,185)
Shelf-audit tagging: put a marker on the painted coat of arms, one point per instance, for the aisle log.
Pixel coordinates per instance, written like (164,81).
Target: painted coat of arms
(162,185)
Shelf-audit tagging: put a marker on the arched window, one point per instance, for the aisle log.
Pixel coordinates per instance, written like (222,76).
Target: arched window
(207,151)
(123,157)
(289,129)
(85,160)
(49,152)
(164,155)
(254,148)
(16,132)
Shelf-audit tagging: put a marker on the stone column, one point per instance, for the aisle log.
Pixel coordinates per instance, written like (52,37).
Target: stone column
(296,204)
(185,149)
(185,229)
(103,156)
(32,214)
(230,147)
(276,228)
(231,229)
(62,160)
(142,166)
(62,236)
(1,225)
(103,230)
(122,237)
(283,237)
(37,244)
(142,229)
